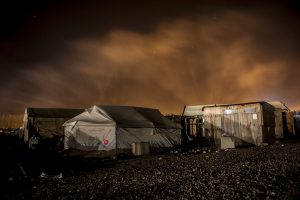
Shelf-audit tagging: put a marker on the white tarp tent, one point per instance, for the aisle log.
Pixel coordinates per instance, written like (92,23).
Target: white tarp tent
(106,130)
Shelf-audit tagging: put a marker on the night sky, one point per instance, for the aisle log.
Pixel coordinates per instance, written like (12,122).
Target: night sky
(162,54)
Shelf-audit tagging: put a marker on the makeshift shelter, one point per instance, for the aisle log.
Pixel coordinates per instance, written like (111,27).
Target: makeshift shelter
(105,131)
(284,120)
(41,124)
(246,123)
(192,121)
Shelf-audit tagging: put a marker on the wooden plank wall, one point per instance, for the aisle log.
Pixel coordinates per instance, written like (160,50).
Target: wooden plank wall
(248,123)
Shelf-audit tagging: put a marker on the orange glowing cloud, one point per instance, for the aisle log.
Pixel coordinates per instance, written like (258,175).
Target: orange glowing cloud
(185,61)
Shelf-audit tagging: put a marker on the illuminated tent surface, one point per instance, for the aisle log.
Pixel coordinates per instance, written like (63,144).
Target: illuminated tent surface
(108,129)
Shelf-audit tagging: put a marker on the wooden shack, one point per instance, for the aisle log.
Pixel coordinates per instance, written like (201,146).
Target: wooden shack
(45,124)
(284,120)
(247,123)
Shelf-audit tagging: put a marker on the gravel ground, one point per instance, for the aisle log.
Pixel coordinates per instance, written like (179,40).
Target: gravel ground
(270,172)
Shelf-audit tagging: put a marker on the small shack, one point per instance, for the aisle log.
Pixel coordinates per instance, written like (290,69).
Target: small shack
(45,124)
(247,123)
(284,120)
(107,131)
(250,123)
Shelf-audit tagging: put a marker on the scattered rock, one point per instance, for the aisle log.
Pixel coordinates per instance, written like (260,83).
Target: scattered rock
(234,174)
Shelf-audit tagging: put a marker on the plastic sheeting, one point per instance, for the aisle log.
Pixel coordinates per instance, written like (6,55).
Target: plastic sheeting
(90,138)
(157,137)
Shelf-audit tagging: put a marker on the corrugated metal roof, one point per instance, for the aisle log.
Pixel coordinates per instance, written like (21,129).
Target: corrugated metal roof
(53,112)
(237,104)
(194,110)
(279,105)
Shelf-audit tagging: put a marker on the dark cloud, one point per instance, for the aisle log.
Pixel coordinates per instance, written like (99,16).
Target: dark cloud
(161,55)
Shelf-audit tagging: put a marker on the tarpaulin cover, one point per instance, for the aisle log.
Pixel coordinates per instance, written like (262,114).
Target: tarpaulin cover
(105,128)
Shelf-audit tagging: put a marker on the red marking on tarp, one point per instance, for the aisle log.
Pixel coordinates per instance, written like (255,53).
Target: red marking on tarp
(105,140)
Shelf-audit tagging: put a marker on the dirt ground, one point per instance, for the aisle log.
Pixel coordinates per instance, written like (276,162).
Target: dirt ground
(269,172)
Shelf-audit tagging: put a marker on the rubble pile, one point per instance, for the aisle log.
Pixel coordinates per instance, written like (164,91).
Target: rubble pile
(269,172)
